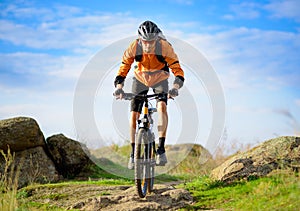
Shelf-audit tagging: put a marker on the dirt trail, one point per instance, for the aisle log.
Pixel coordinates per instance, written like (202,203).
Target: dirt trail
(94,197)
(163,198)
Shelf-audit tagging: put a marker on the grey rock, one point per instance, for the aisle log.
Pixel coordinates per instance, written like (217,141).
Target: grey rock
(20,133)
(69,156)
(278,153)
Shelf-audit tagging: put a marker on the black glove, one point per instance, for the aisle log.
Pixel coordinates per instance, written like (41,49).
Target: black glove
(173,92)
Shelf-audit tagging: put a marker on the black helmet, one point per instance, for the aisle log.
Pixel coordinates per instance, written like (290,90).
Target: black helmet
(148,31)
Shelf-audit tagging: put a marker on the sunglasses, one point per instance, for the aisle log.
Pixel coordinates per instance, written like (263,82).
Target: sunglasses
(148,42)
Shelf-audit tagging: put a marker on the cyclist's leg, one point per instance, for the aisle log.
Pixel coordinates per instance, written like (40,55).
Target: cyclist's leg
(162,118)
(163,88)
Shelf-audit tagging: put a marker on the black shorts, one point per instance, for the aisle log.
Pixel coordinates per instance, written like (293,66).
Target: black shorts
(140,88)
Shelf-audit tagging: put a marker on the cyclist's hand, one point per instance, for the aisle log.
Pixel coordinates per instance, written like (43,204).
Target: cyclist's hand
(119,93)
(173,93)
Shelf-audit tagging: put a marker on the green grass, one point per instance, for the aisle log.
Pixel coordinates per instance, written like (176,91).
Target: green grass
(36,206)
(102,182)
(108,169)
(277,192)
(8,181)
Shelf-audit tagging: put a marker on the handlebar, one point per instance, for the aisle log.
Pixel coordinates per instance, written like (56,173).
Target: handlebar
(130,96)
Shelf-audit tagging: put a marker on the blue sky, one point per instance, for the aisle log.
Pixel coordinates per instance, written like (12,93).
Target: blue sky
(253,46)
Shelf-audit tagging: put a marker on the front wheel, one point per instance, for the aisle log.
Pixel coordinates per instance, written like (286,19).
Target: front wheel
(144,162)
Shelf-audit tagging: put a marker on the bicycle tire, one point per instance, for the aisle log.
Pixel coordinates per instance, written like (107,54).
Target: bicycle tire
(144,168)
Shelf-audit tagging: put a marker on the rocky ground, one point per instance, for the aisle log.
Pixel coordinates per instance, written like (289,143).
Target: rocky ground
(58,158)
(124,197)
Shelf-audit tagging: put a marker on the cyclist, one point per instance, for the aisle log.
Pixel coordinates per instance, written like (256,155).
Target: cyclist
(154,55)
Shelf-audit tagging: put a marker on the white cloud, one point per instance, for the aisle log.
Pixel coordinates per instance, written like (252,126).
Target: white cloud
(232,79)
(26,11)
(63,27)
(31,70)
(64,34)
(262,122)
(52,117)
(292,121)
(276,82)
(71,35)
(297,101)
(35,62)
(79,32)
(245,10)
(252,56)
(186,2)
(284,9)
(276,8)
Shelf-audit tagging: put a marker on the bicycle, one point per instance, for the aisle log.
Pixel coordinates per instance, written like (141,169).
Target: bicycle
(145,150)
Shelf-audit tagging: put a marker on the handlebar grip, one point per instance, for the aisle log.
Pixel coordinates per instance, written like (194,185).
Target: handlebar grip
(125,96)
(128,96)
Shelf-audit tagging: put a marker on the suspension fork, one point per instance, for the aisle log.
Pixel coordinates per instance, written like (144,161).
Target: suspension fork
(146,113)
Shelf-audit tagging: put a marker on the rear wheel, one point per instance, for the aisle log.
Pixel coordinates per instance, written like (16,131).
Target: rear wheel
(144,168)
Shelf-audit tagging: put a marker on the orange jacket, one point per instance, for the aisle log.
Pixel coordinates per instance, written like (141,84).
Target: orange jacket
(148,68)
